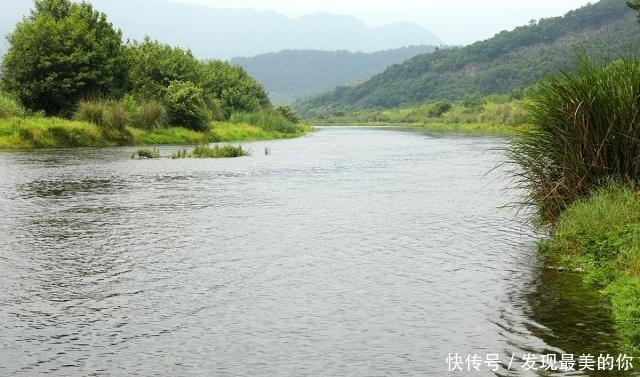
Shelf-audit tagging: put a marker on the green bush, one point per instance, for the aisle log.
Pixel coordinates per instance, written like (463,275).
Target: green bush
(116,116)
(587,130)
(151,115)
(270,121)
(186,106)
(10,107)
(91,111)
(106,114)
(290,114)
(439,108)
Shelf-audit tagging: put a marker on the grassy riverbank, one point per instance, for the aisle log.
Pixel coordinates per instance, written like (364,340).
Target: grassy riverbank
(45,132)
(601,235)
(580,168)
(494,129)
(495,115)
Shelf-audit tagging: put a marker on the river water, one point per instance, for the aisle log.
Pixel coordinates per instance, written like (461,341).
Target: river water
(348,252)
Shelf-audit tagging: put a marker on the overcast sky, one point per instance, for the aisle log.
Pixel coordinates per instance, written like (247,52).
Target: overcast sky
(454,21)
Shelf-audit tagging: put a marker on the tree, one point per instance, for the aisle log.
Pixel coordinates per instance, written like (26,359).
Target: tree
(233,88)
(186,106)
(61,53)
(153,66)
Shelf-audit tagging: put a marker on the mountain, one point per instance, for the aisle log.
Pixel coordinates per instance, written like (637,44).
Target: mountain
(293,74)
(225,33)
(508,61)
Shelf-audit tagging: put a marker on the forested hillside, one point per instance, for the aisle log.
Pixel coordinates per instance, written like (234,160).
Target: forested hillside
(508,61)
(293,74)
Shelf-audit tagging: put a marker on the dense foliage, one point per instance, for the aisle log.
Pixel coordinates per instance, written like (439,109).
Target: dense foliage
(587,131)
(153,66)
(291,75)
(66,59)
(60,53)
(186,106)
(508,61)
(601,235)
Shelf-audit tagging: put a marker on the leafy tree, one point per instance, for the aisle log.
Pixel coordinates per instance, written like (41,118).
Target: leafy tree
(153,66)
(186,106)
(439,108)
(62,52)
(233,88)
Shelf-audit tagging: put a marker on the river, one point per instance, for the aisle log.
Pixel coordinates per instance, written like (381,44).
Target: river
(348,252)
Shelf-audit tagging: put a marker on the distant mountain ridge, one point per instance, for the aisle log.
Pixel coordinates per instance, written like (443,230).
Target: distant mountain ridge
(226,33)
(508,61)
(293,74)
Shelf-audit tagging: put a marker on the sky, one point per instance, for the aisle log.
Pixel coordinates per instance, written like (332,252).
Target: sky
(456,22)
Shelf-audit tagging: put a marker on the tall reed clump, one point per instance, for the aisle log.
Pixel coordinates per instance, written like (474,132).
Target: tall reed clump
(586,133)
(9,107)
(106,114)
(151,115)
(269,121)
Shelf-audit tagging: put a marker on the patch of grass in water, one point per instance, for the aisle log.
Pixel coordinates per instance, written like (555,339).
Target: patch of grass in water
(146,153)
(217,151)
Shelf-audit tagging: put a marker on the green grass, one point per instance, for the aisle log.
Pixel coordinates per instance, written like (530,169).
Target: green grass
(586,130)
(43,132)
(146,153)
(268,121)
(601,235)
(463,128)
(217,151)
(496,115)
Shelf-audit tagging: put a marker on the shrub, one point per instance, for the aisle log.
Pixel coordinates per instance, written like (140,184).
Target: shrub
(151,115)
(290,114)
(106,114)
(10,107)
(439,108)
(587,130)
(91,111)
(116,116)
(186,106)
(269,121)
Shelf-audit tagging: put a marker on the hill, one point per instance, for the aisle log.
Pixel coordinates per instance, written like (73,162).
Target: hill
(225,33)
(293,74)
(508,61)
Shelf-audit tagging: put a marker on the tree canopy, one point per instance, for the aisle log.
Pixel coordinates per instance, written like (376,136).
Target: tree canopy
(62,52)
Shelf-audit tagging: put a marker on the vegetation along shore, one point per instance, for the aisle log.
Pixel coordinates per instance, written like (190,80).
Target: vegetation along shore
(100,91)
(580,165)
(503,115)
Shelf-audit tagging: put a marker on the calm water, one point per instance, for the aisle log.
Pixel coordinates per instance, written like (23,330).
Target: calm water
(350,252)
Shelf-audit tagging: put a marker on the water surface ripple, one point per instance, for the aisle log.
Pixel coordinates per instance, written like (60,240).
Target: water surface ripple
(360,252)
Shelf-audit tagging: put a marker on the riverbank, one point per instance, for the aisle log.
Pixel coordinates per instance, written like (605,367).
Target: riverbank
(601,235)
(44,132)
(493,129)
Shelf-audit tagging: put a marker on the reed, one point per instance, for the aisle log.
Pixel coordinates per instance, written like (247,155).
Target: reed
(586,133)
